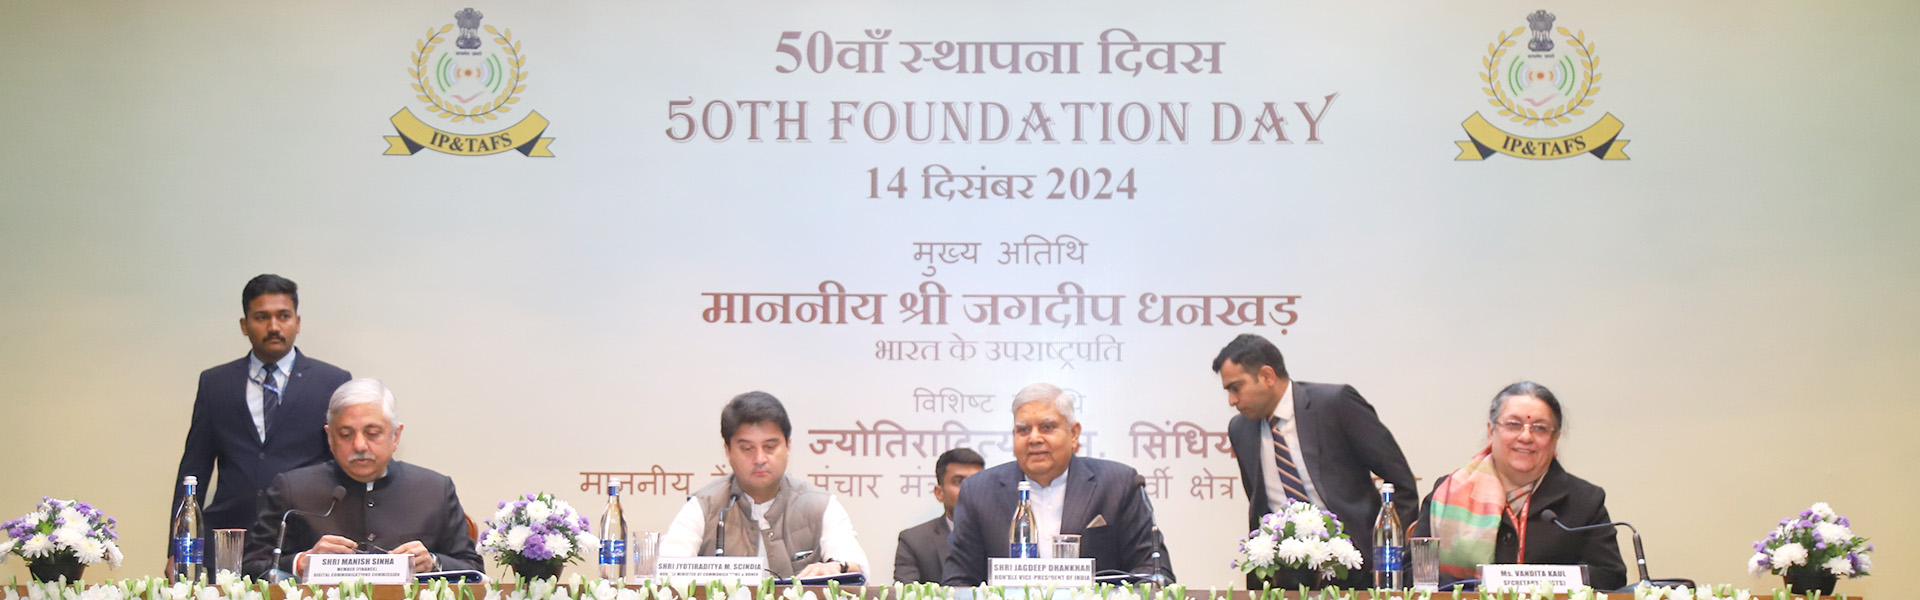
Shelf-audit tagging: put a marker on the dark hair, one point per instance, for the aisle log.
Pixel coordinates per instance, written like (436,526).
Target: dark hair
(750,408)
(1528,388)
(268,284)
(1252,352)
(956,456)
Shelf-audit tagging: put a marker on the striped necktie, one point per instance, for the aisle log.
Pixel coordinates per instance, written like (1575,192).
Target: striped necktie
(1283,457)
(269,398)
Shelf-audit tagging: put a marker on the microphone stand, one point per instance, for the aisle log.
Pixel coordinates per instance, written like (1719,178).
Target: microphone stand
(1639,552)
(1159,575)
(720,528)
(276,575)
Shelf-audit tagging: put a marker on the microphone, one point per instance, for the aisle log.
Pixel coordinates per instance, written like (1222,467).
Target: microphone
(276,575)
(1639,552)
(720,528)
(1158,576)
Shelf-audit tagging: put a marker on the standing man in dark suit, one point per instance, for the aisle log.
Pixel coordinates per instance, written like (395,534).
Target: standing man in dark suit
(1311,442)
(1098,499)
(258,416)
(923,548)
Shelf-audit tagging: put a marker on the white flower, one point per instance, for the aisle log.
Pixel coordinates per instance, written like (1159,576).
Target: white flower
(114,557)
(1822,510)
(517,537)
(1318,553)
(6,547)
(208,593)
(1344,552)
(1760,564)
(68,536)
(538,511)
(1787,555)
(628,594)
(741,593)
(561,506)
(1310,525)
(1260,551)
(73,518)
(1839,565)
(1292,550)
(492,541)
(588,544)
(36,546)
(560,546)
(89,550)
(1866,564)
(1832,533)
(33,519)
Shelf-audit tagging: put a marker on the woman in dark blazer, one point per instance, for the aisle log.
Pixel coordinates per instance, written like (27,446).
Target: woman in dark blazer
(1489,511)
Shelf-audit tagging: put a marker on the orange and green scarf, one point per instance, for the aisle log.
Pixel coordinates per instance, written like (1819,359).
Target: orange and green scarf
(1465,515)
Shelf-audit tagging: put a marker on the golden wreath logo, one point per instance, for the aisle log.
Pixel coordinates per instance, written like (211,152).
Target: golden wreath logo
(1545,88)
(468,88)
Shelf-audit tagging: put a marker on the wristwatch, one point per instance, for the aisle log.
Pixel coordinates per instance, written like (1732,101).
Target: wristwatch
(843,565)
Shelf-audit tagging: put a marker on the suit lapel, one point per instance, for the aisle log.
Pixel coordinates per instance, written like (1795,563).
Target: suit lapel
(1307,427)
(287,388)
(237,408)
(1079,498)
(1245,434)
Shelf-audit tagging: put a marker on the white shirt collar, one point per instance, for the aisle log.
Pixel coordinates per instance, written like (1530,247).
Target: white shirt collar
(283,367)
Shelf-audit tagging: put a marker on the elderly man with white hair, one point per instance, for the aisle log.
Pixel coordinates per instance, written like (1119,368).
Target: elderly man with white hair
(383,505)
(1098,499)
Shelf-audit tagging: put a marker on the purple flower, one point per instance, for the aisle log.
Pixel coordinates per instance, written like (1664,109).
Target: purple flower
(1819,545)
(536,548)
(1843,521)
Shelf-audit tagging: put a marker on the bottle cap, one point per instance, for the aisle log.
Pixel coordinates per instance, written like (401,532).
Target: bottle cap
(1386,488)
(1026,486)
(190,480)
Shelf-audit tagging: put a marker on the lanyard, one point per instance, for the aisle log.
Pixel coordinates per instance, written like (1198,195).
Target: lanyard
(1520,525)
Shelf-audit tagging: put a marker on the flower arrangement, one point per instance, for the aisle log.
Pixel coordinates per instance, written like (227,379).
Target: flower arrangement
(1300,537)
(62,531)
(1816,541)
(538,529)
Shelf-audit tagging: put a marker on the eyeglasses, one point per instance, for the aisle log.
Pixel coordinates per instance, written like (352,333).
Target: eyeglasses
(1515,427)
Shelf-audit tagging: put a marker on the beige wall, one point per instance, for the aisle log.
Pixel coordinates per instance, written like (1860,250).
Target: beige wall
(1727,315)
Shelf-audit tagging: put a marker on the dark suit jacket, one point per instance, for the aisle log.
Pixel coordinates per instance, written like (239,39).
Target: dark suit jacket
(221,436)
(1095,488)
(1344,446)
(409,504)
(1578,503)
(922,552)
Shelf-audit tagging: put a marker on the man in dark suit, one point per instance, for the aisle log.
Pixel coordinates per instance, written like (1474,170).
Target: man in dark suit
(1311,442)
(258,416)
(377,504)
(922,553)
(1098,499)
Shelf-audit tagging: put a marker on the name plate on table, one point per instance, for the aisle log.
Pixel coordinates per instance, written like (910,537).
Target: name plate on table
(1018,572)
(1524,577)
(702,569)
(329,569)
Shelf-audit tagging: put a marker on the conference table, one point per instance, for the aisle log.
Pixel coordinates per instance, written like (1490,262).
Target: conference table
(478,591)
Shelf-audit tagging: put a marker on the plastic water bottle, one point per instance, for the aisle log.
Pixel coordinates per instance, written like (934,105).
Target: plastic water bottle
(1022,531)
(187,543)
(1389,545)
(613,538)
